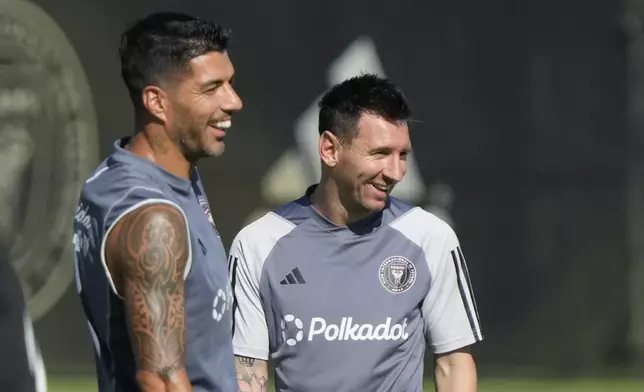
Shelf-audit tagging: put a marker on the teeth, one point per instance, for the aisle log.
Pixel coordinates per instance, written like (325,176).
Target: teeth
(222,124)
(383,188)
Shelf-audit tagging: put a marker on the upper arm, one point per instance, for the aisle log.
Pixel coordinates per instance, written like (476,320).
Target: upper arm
(250,249)
(149,250)
(455,371)
(250,334)
(449,309)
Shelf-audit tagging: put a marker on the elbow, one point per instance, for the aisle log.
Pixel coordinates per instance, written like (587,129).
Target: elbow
(458,365)
(165,380)
(442,370)
(161,381)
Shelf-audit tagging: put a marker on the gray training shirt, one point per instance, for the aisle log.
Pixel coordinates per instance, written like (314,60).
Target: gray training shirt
(350,308)
(121,184)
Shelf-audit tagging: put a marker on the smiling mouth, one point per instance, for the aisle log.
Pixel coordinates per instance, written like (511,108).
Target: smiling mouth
(383,188)
(220,124)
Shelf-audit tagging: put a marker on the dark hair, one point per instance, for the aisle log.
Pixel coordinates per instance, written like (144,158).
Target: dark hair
(161,45)
(342,106)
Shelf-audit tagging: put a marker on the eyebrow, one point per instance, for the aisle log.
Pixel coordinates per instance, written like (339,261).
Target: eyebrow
(407,150)
(216,83)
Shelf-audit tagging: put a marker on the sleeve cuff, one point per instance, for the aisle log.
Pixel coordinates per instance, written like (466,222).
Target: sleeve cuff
(245,351)
(452,345)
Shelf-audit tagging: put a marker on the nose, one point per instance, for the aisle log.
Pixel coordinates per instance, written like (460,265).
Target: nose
(395,169)
(233,102)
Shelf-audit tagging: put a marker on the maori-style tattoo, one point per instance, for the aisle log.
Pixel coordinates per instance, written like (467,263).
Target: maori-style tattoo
(152,247)
(251,375)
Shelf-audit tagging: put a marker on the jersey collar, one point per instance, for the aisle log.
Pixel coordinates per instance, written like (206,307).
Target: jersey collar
(361,227)
(122,155)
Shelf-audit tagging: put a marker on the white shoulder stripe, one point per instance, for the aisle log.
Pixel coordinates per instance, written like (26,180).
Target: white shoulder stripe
(419,226)
(260,237)
(249,251)
(127,211)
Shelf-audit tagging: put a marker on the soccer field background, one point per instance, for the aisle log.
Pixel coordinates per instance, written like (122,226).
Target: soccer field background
(85,384)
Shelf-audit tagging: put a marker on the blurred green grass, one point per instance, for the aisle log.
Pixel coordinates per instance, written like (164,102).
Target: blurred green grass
(83,384)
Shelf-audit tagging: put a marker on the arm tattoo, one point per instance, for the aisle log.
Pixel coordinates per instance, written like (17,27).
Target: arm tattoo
(246,361)
(251,376)
(152,247)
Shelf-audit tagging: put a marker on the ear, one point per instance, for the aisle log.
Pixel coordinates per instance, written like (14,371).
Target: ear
(156,102)
(329,148)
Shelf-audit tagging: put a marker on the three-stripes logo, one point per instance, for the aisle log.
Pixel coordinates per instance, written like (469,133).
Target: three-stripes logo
(232,280)
(294,277)
(467,293)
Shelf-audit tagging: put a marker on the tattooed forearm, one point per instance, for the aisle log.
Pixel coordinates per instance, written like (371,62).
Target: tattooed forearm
(246,361)
(152,246)
(252,375)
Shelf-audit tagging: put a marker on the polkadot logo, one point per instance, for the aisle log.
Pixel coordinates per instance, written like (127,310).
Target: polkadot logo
(292,329)
(219,305)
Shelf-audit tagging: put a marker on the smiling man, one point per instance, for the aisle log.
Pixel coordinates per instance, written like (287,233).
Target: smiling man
(343,288)
(151,270)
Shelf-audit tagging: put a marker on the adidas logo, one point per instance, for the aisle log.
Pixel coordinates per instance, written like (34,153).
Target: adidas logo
(295,277)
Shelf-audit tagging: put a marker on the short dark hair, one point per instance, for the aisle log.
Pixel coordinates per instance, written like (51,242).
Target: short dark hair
(342,106)
(161,45)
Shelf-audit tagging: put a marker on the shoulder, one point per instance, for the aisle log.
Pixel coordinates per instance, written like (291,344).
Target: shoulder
(148,242)
(117,179)
(255,242)
(261,235)
(158,223)
(161,221)
(423,228)
(275,224)
(115,190)
(155,215)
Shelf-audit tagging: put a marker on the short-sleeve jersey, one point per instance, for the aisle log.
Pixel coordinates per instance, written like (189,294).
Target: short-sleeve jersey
(350,308)
(121,184)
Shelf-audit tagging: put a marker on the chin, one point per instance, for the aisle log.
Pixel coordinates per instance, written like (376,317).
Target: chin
(215,151)
(374,205)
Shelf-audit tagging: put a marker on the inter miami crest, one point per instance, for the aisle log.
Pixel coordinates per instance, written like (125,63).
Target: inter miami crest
(206,209)
(397,274)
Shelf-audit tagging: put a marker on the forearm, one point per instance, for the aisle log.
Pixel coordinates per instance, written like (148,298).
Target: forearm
(252,374)
(456,373)
(153,382)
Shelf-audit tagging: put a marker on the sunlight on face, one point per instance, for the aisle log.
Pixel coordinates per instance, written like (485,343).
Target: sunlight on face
(205,102)
(374,161)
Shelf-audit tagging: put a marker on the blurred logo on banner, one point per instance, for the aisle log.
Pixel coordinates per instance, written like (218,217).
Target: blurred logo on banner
(299,166)
(48,146)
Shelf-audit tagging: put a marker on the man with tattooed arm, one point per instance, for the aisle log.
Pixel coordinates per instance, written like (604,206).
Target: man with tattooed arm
(151,270)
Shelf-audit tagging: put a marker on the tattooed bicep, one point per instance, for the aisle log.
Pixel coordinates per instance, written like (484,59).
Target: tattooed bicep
(153,237)
(152,247)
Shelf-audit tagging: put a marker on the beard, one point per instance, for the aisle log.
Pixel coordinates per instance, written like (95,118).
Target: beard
(188,135)
(192,134)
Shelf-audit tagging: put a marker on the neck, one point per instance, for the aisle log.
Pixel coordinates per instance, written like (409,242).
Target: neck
(327,201)
(152,143)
